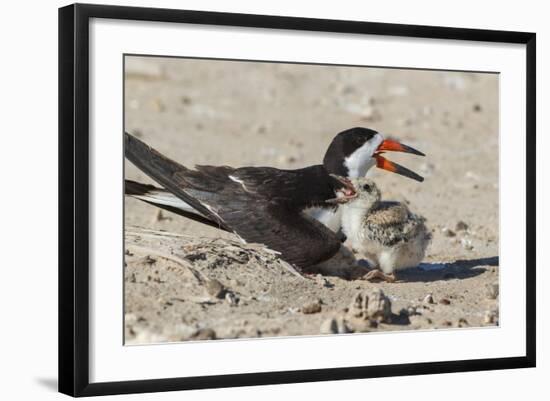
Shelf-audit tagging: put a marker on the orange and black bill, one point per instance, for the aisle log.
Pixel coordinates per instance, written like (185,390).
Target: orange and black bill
(385,164)
(394,146)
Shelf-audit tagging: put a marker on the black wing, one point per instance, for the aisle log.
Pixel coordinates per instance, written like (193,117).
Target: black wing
(236,201)
(164,199)
(309,186)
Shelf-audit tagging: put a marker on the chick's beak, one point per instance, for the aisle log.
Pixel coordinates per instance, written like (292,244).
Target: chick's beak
(347,186)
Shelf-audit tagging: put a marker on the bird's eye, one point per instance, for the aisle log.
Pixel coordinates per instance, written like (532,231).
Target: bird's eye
(367,187)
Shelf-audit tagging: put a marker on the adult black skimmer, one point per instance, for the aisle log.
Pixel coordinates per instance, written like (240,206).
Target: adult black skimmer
(387,233)
(243,194)
(259,204)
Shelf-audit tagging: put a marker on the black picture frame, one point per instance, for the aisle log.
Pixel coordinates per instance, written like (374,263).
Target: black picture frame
(74,198)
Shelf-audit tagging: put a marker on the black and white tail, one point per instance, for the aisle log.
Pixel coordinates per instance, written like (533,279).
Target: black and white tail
(163,199)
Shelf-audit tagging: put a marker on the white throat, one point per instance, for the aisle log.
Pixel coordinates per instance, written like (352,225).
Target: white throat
(352,223)
(360,161)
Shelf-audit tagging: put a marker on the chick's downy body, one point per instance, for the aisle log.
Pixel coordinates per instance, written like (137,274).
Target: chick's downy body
(387,233)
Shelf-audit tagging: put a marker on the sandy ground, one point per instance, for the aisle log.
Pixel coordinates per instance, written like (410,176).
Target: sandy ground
(186,281)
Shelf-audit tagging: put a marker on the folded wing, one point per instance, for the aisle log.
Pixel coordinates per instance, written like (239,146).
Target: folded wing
(234,200)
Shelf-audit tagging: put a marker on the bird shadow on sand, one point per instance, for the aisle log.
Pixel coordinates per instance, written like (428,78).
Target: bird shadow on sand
(458,270)
(346,266)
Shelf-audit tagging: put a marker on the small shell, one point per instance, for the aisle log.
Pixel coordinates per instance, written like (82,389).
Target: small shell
(429,299)
(231,299)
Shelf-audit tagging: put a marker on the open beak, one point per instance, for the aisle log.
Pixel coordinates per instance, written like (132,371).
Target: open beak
(385,164)
(394,146)
(345,193)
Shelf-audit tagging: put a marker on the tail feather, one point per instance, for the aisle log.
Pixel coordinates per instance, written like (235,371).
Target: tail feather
(166,172)
(165,200)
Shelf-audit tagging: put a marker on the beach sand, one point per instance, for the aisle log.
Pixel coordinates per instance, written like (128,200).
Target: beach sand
(187,281)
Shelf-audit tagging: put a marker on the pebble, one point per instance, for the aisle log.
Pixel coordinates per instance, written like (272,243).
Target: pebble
(195,256)
(444,301)
(231,299)
(312,307)
(327,283)
(492,290)
(284,159)
(261,129)
(447,232)
(461,226)
(215,288)
(148,260)
(429,299)
(490,317)
(477,107)
(203,334)
(428,308)
(466,244)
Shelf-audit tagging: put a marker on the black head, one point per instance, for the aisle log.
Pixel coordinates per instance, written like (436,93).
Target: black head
(344,145)
(354,151)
